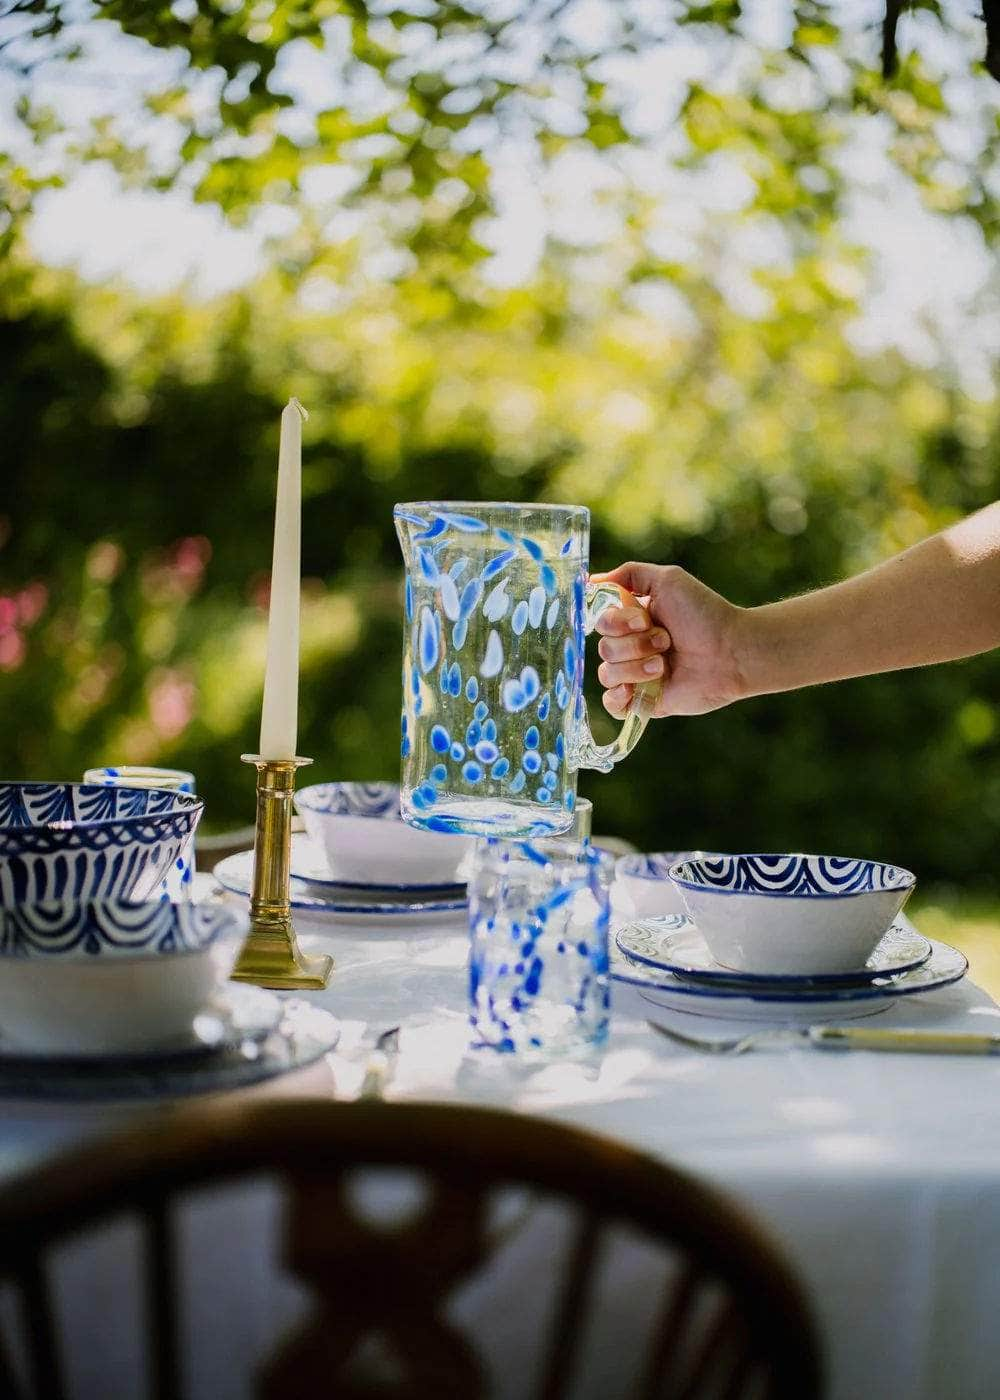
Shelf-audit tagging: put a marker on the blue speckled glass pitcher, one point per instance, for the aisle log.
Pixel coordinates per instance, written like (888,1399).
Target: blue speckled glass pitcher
(494,725)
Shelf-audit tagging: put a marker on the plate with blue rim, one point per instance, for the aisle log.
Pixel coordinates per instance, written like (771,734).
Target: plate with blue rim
(302,1036)
(235,874)
(672,943)
(310,865)
(944,966)
(236,1018)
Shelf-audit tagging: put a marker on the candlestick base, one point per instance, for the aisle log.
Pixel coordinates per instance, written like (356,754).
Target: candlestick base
(270,956)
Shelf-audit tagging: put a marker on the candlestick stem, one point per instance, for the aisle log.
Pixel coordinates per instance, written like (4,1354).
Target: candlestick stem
(271,956)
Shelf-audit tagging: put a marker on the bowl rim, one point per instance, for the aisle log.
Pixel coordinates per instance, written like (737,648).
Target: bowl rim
(386,783)
(184,802)
(905,887)
(231,917)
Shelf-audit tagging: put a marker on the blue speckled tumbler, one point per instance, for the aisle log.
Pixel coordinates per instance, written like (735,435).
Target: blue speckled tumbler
(539,983)
(494,726)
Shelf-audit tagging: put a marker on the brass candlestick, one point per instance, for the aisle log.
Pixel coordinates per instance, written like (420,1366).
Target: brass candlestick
(270,956)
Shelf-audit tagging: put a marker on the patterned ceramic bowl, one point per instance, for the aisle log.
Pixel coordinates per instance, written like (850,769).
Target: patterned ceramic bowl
(107,977)
(366,841)
(643,887)
(791,913)
(85,841)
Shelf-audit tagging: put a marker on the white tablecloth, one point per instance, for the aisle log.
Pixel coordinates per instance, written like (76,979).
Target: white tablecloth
(879,1174)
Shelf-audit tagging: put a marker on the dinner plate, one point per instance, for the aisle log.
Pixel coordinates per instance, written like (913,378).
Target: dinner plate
(235,874)
(238,1015)
(673,943)
(303,1035)
(944,966)
(309,864)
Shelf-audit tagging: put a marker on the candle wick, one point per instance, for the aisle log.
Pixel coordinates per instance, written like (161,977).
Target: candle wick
(294,403)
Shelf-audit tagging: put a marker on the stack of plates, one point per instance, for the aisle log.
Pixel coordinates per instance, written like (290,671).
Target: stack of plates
(245,1035)
(669,957)
(315,891)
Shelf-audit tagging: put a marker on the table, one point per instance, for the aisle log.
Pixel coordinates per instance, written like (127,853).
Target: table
(879,1175)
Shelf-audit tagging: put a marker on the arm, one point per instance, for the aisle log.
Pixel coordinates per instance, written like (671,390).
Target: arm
(935,602)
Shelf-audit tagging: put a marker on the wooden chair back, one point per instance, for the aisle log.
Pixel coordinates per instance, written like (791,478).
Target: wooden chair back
(756,1340)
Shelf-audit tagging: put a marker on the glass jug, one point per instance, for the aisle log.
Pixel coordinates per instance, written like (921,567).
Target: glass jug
(494,725)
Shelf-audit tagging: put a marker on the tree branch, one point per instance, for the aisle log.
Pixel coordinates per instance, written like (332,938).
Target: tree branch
(991,16)
(890,56)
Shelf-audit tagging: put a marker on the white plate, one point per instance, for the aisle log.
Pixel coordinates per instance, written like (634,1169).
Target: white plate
(237,1015)
(310,864)
(944,966)
(302,1035)
(672,943)
(235,874)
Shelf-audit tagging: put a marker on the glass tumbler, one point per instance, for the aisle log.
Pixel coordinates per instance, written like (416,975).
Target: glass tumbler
(175,886)
(539,983)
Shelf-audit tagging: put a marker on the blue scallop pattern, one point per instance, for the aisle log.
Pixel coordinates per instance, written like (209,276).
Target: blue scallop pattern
(823,877)
(351,800)
(92,928)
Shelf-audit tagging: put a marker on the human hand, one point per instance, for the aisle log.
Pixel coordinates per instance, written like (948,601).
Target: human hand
(693,643)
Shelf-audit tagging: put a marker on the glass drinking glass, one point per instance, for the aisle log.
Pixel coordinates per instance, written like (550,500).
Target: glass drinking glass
(539,983)
(175,886)
(583,820)
(494,726)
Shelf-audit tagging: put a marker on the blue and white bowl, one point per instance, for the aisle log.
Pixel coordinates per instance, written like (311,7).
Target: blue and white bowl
(89,841)
(107,977)
(366,841)
(643,887)
(802,914)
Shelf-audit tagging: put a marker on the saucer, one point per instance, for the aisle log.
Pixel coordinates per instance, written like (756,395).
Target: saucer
(944,966)
(672,943)
(310,864)
(237,1015)
(235,874)
(303,1035)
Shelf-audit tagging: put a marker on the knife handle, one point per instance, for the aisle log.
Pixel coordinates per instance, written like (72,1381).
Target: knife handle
(932,1042)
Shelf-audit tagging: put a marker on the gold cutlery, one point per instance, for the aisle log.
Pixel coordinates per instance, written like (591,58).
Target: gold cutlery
(844,1038)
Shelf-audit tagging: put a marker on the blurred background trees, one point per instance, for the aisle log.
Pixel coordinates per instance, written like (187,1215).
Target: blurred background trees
(651,258)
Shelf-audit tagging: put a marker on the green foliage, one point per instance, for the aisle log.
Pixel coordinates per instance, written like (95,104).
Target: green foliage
(743,437)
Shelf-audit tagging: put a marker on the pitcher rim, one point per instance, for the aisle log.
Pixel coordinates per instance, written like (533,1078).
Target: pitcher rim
(469,506)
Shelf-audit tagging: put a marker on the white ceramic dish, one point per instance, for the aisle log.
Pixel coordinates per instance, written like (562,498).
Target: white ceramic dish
(672,943)
(310,865)
(106,977)
(801,914)
(367,842)
(235,874)
(787,1006)
(235,1019)
(304,1035)
(643,887)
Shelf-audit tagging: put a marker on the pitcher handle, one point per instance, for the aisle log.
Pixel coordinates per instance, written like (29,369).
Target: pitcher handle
(583,751)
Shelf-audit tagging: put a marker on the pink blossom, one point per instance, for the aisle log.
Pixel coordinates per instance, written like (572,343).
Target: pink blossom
(32,602)
(171,702)
(12,650)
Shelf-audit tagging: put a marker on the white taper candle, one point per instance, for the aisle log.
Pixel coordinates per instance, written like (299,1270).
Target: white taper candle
(279,717)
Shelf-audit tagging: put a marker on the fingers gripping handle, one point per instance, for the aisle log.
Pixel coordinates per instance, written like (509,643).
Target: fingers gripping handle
(583,751)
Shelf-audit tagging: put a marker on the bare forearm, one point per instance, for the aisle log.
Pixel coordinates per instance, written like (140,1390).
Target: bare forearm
(935,602)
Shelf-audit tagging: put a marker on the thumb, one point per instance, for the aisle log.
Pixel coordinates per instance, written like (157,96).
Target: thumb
(637,578)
